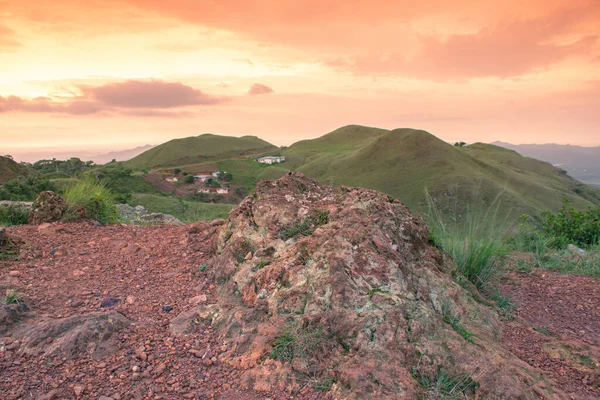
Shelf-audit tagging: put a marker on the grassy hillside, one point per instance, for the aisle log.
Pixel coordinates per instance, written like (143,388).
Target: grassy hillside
(200,149)
(10,169)
(405,162)
(187,211)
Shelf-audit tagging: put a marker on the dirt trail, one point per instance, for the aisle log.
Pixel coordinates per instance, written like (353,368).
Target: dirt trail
(147,274)
(561,334)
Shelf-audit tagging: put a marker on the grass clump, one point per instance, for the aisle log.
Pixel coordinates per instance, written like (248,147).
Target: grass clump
(95,197)
(296,342)
(475,244)
(443,385)
(13,215)
(11,297)
(260,265)
(306,227)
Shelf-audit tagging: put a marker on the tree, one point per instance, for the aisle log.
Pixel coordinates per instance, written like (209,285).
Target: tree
(189,179)
(460,144)
(176,171)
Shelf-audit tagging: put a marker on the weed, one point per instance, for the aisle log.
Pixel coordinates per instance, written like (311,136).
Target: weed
(283,347)
(543,330)
(324,384)
(12,215)
(445,386)
(322,218)
(11,297)
(300,228)
(376,291)
(260,265)
(202,267)
(296,342)
(454,321)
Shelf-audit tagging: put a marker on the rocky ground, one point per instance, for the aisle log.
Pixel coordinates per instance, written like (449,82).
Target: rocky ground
(557,327)
(127,312)
(146,273)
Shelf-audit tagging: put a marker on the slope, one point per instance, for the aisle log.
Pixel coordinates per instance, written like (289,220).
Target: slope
(9,169)
(200,149)
(406,162)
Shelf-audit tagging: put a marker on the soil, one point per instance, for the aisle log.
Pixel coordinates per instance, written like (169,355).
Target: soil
(71,269)
(557,327)
(138,271)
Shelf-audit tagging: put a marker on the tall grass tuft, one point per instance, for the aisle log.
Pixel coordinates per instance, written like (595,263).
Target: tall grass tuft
(475,243)
(13,215)
(93,196)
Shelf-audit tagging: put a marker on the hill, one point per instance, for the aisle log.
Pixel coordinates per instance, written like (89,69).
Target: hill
(406,162)
(10,169)
(582,163)
(200,149)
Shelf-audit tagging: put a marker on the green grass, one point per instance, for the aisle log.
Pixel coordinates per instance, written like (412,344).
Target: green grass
(12,215)
(97,199)
(443,385)
(404,162)
(476,243)
(260,265)
(296,342)
(186,211)
(11,297)
(200,149)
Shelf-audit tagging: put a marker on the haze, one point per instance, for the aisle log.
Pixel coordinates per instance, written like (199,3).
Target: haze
(97,76)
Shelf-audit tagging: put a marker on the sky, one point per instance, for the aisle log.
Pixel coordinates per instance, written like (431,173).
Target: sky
(95,76)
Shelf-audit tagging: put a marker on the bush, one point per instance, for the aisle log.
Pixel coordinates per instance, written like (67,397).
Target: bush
(189,179)
(95,197)
(13,215)
(568,225)
(24,189)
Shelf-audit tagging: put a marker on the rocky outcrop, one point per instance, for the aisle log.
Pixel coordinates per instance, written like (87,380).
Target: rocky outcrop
(341,289)
(48,207)
(9,244)
(94,334)
(127,212)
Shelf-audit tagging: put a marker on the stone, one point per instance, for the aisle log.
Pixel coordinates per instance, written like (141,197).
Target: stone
(78,389)
(575,250)
(47,207)
(160,219)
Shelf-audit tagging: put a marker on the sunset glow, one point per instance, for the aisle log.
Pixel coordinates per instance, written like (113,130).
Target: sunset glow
(114,74)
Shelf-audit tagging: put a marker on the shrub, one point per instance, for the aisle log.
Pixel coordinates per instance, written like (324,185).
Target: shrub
(11,297)
(176,171)
(13,215)
(571,226)
(93,196)
(189,179)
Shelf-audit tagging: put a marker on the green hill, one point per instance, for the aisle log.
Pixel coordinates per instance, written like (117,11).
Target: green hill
(200,149)
(406,162)
(10,169)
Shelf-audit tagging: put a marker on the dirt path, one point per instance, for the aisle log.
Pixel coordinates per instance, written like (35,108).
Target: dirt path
(561,334)
(147,274)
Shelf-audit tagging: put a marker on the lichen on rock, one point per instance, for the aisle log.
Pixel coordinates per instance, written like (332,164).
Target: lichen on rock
(340,289)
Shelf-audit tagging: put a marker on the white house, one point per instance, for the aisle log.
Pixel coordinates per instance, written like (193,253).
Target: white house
(222,190)
(217,174)
(204,191)
(271,160)
(171,179)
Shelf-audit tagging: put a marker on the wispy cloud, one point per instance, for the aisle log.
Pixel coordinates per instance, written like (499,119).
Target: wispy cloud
(258,89)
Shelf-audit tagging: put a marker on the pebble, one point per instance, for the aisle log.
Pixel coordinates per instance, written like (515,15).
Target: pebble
(167,308)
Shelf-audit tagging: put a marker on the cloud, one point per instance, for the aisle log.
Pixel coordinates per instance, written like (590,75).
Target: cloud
(258,89)
(149,94)
(132,97)
(505,50)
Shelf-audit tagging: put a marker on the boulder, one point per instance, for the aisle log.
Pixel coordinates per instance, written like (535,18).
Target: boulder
(575,250)
(343,286)
(129,213)
(48,207)
(94,334)
(9,244)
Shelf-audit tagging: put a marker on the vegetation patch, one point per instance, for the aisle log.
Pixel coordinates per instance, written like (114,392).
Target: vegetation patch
(443,385)
(454,321)
(11,297)
(260,265)
(306,227)
(296,342)
(13,215)
(95,198)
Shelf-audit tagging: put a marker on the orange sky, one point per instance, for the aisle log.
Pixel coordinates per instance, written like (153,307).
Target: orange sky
(112,74)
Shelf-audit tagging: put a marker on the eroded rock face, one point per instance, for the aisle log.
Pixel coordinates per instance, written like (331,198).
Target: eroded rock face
(93,333)
(340,288)
(48,207)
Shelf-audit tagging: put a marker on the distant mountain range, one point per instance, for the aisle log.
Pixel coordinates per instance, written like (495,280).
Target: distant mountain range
(86,155)
(582,163)
(122,155)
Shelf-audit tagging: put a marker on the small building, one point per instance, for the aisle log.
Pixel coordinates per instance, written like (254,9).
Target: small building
(171,179)
(222,190)
(271,160)
(217,174)
(203,176)
(204,190)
